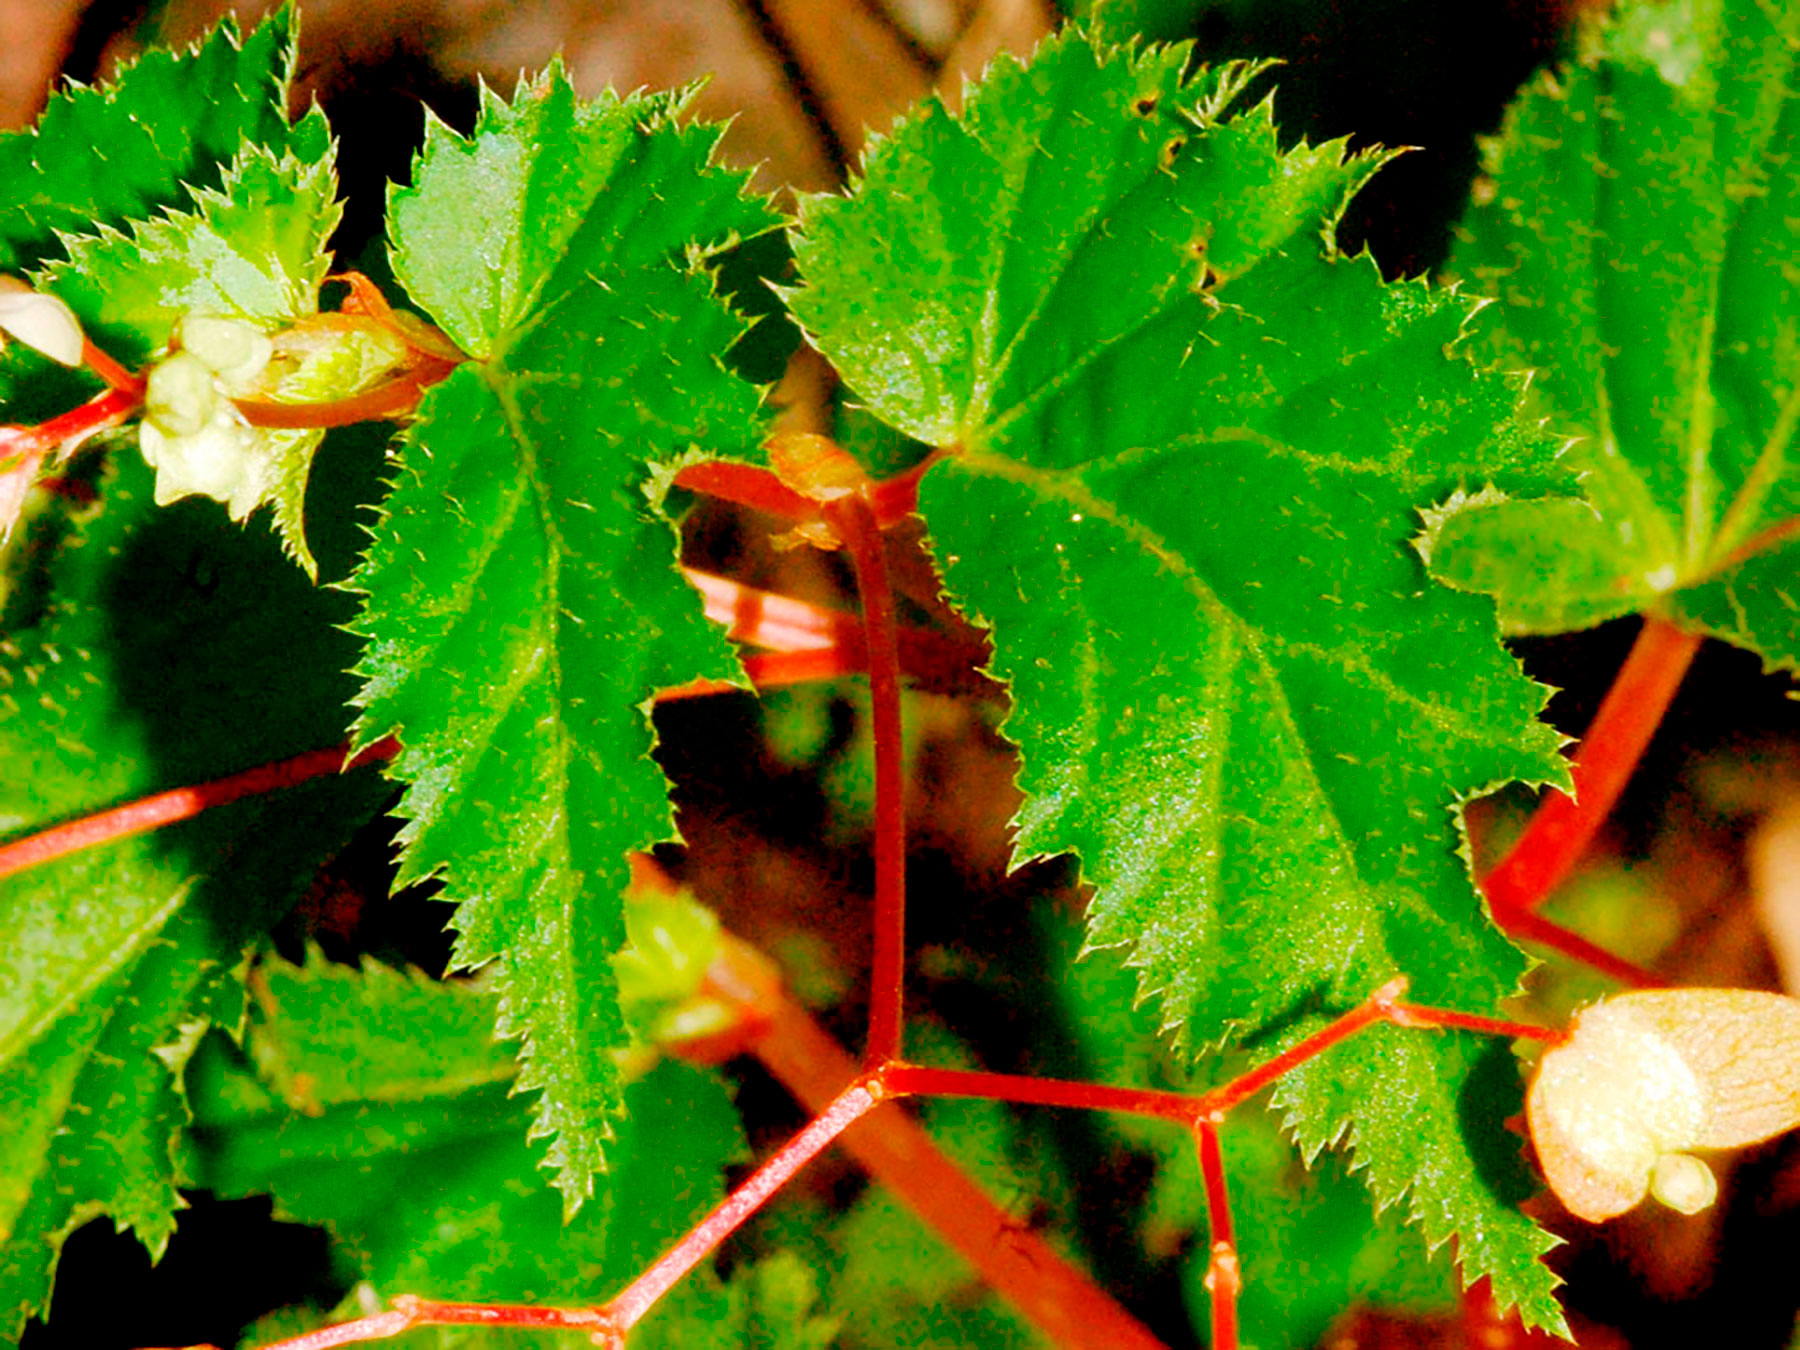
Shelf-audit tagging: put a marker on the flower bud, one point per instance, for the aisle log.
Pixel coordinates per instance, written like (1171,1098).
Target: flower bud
(40,321)
(235,351)
(1645,1077)
(180,397)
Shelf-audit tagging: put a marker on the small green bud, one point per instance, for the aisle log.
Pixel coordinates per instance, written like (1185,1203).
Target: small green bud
(1683,1183)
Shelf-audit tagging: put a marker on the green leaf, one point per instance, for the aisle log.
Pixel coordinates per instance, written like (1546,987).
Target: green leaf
(328,1034)
(94,1106)
(1639,227)
(147,649)
(162,130)
(523,600)
(376,1133)
(254,249)
(1186,448)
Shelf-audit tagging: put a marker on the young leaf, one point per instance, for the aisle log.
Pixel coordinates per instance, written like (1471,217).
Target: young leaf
(523,601)
(1186,446)
(164,130)
(326,1034)
(253,250)
(1639,226)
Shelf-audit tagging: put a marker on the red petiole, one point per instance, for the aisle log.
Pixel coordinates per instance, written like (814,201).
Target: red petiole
(855,522)
(1563,826)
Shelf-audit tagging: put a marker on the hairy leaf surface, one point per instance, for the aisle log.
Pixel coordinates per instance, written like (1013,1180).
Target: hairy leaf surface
(523,601)
(1640,228)
(424,1177)
(161,130)
(146,649)
(1186,444)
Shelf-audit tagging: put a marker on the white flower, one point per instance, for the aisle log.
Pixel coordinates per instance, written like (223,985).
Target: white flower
(40,321)
(192,435)
(1645,1077)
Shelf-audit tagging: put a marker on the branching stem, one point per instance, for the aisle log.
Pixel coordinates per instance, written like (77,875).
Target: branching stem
(1056,1296)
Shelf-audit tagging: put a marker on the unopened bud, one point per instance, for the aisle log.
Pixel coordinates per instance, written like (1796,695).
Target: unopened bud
(180,397)
(1683,1183)
(235,351)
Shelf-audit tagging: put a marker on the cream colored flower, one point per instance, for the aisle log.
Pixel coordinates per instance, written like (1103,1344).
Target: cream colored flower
(192,435)
(1645,1077)
(40,321)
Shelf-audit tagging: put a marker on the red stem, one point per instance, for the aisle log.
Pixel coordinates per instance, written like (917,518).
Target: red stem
(178,804)
(1412,1015)
(891,500)
(1563,826)
(854,523)
(1378,1007)
(765,619)
(94,416)
(641,1294)
(921,1081)
(409,1312)
(1531,927)
(773,670)
(1224,1280)
(109,370)
(375,1328)
(749,486)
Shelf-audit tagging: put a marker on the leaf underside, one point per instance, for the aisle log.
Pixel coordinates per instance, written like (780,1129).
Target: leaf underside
(1639,228)
(1187,447)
